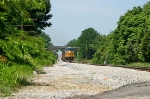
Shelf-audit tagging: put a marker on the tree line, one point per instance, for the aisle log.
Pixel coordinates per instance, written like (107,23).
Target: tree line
(22,42)
(128,43)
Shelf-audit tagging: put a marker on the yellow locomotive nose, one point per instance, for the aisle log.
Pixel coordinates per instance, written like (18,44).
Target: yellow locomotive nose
(69,54)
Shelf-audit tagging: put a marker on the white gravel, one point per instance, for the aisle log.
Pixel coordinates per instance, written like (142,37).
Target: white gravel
(110,76)
(69,79)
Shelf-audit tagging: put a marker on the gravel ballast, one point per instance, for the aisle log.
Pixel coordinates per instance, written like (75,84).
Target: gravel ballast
(70,79)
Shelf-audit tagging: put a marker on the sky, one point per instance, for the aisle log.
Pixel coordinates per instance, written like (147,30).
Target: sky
(71,17)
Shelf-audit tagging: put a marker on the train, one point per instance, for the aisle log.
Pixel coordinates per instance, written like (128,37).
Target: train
(68,55)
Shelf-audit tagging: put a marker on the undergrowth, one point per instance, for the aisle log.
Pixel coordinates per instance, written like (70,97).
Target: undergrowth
(19,58)
(10,76)
(13,75)
(139,64)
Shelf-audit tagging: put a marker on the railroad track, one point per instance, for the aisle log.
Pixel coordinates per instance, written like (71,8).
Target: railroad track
(140,68)
(133,67)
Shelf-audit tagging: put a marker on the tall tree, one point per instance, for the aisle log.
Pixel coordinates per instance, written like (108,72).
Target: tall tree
(41,16)
(15,44)
(42,19)
(103,46)
(84,41)
(14,12)
(130,40)
(144,55)
(126,41)
(72,43)
(46,38)
(98,42)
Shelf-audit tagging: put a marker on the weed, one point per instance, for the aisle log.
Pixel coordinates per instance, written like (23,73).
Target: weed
(139,64)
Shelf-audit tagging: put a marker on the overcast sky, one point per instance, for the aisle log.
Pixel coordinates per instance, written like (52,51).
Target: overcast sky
(71,17)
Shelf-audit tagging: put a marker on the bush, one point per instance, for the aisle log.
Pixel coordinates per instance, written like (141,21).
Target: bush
(10,75)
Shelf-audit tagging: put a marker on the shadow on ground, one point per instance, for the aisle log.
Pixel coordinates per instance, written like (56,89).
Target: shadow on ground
(131,90)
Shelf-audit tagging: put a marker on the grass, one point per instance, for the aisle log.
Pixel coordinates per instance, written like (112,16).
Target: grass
(85,61)
(10,77)
(139,64)
(13,75)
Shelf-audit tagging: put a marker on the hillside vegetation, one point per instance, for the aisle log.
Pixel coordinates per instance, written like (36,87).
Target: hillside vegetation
(23,52)
(128,43)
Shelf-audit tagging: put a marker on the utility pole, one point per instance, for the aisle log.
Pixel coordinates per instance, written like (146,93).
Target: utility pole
(24,27)
(86,51)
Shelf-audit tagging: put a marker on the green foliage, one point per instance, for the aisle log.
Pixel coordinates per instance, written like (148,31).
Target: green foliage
(16,10)
(139,64)
(42,15)
(46,38)
(84,41)
(24,54)
(98,42)
(129,42)
(145,48)
(72,43)
(126,35)
(20,53)
(103,50)
(10,75)
(131,33)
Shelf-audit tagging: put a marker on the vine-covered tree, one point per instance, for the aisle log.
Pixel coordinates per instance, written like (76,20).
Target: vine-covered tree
(15,44)
(21,53)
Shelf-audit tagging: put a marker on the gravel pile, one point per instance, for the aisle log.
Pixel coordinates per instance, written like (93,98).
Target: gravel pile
(70,79)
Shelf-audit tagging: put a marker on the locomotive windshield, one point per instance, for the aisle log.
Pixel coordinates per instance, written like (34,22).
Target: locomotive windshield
(69,49)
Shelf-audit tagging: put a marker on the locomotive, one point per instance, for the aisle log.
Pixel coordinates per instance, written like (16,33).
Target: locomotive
(68,54)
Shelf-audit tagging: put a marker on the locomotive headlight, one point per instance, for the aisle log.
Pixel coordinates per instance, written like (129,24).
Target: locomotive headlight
(69,52)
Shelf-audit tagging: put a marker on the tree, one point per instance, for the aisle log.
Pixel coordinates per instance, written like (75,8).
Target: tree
(41,16)
(144,55)
(84,41)
(46,38)
(42,19)
(129,42)
(126,40)
(15,44)
(20,53)
(103,50)
(72,43)
(98,42)
(14,12)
